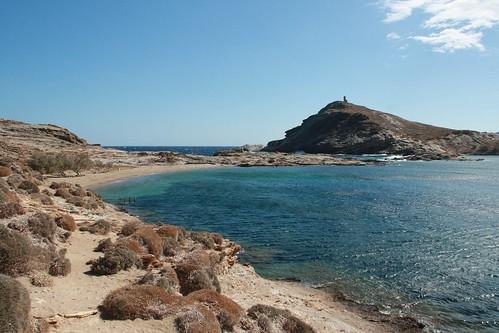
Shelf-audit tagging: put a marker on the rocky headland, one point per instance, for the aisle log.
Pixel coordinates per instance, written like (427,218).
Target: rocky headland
(70,262)
(346,128)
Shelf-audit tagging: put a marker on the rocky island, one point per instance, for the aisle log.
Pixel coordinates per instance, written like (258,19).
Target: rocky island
(345,128)
(70,262)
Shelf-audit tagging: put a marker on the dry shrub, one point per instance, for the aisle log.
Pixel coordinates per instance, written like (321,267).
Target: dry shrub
(15,252)
(132,244)
(5,171)
(193,277)
(150,239)
(40,326)
(130,227)
(209,240)
(101,227)
(170,247)
(60,266)
(42,198)
(196,319)
(56,186)
(41,279)
(63,193)
(78,191)
(104,245)
(115,259)
(171,231)
(29,187)
(4,186)
(228,312)
(9,209)
(43,225)
(66,222)
(166,279)
(282,319)
(15,180)
(139,301)
(15,306)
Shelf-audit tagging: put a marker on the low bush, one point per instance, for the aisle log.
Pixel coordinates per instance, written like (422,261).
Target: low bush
(228,312)
(41,279)
(139,301)
(282,319)
(104,245)
(209,240)
(29,187)
(194,277)
(66,222)
(5,171)
(15,252)
(60,266)
(101,227)
(171,231)
(56,186)
(48,163)
(43,225)
(170,247)
(150,239)
(10,209)
(115,259)
(63,193)
(132,244)
(130,227)
(15,306)
(196,319)
(15,180)
(166,279)
(42,198)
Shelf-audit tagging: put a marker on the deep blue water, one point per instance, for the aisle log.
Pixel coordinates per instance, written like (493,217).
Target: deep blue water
(196,150)
(421,238)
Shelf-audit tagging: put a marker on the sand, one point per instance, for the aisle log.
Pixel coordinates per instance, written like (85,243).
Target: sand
(80,292)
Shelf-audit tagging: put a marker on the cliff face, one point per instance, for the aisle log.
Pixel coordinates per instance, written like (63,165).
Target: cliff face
(345,128)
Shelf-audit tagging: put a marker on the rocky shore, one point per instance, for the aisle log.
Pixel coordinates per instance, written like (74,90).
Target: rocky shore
(70,262)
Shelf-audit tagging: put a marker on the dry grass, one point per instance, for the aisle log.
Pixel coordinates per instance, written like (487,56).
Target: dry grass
(139,301)
(171,231)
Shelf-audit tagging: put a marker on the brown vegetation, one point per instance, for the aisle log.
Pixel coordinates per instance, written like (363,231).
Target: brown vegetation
(150,239)
(15,306)
(139,301)
(166,279)
(196,319)
(59,163)
(5,171)
(130,227)
(177,233)
(270,318)
(66,222)
(43,225)
(15,252)
(42,198)
(60,266)
(228,312)
(101,227)
(115,259)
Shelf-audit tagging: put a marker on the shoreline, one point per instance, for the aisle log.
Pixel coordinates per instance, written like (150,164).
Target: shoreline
(343,313)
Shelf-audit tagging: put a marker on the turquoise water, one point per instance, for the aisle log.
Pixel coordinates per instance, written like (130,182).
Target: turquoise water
(420,238)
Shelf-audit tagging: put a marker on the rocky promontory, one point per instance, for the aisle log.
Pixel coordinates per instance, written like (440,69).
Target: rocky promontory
(346,128)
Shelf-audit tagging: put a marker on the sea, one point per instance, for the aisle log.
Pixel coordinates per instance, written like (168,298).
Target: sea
(410,237)
(195,150)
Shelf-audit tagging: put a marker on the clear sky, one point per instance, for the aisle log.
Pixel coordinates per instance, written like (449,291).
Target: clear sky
(229,72)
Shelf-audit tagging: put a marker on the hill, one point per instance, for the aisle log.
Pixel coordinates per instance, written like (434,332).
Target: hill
(346,128)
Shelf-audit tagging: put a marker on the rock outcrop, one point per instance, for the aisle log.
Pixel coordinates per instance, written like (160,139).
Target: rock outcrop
(345,128)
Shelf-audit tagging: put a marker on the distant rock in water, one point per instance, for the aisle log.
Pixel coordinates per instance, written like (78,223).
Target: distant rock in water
(346,128)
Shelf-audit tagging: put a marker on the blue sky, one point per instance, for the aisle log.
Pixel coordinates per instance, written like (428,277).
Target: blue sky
(233,72)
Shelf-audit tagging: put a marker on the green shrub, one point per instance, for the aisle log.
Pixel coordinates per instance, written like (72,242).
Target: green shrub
(50,163)
(15,306)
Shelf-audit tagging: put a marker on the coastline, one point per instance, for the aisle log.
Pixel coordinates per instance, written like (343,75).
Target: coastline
(322,310)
